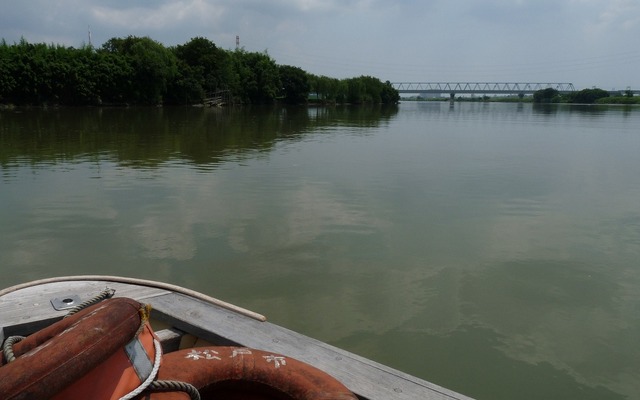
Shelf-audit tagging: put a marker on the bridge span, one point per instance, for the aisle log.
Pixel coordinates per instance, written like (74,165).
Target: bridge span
(506,88)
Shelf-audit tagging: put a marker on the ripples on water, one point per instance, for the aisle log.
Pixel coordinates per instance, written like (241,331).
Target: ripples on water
(490,248)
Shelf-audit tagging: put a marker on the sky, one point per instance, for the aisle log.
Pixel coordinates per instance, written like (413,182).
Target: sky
(590,43)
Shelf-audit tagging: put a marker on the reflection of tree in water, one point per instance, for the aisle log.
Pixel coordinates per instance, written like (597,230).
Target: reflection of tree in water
(148,137)
(357,116)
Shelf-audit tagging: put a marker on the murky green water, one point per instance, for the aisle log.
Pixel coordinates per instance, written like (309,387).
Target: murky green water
(490,248)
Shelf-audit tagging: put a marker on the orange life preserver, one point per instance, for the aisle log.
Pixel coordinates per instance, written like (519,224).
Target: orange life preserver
(97,353)
(242,373)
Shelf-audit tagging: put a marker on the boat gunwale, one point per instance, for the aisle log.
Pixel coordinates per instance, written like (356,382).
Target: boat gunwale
(141,282)
(200,315)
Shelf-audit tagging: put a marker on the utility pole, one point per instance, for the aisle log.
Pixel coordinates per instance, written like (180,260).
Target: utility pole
(237,42)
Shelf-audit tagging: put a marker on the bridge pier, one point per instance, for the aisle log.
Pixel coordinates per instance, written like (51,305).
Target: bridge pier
(452,96)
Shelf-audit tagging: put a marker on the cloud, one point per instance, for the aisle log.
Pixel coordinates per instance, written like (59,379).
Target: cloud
(434,40)
(159,16)
(620,15)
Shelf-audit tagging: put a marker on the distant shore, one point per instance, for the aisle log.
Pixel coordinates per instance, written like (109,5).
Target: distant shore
(617,100)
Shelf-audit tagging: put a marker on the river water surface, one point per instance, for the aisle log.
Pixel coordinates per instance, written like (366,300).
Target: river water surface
(493,249)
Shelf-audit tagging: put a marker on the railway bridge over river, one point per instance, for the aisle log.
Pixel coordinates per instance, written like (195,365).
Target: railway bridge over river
(503,88)
(485,88)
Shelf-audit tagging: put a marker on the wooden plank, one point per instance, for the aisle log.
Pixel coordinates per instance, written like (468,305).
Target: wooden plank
(364,377)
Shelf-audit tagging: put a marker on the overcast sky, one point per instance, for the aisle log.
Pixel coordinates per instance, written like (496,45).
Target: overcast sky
(585,42)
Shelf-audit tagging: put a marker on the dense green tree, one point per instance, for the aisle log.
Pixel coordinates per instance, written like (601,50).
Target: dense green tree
(114,76)
(588,96)
(367,89)
(258,79)
(209,66)
(186,87)
(154,66)
(545,95)
(139,70)
(326,89)
(7,70)
(355,91)
(295,84)
(74,74)
(28,63)
(389,95)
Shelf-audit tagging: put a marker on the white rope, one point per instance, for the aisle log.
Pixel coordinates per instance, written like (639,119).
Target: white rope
(7,347)
(142,282)
(152,375)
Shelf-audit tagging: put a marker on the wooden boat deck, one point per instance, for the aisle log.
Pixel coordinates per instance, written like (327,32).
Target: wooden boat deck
(29,309)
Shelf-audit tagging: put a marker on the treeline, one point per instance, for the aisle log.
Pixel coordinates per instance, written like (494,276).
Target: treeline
(585,96)
(139,70)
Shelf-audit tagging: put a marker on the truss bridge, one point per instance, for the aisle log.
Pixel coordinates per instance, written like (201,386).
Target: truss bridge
(505,88)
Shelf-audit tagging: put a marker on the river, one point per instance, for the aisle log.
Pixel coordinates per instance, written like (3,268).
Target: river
(490,248)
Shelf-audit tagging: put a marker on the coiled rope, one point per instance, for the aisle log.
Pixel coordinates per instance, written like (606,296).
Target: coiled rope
(174,386)
(7,347)
(105,294)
